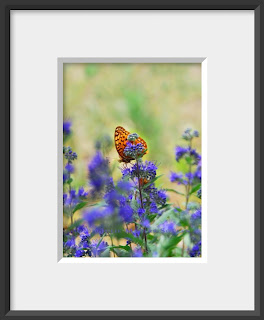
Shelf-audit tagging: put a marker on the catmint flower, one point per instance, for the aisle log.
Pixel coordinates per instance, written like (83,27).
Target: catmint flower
(189,177)
(134,150)
(141,212)
(187,134)
(124,186)
(97,249)
(132,137)
(195,156)
(70,243)
(137,253)
(180,152)
(162,197)
(69,168)
(167,227)
(153,208)
(79,253)
(196,250)
(69,154)
(196,216)
(146,223)
(136,233)
(98,172)
(175,177)
(96,214)
(67,127)
(199,193)
(126,213)
(145,170)
(82,193)
(195,133)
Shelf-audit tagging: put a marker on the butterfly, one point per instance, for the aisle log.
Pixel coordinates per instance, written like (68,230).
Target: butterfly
(121,142)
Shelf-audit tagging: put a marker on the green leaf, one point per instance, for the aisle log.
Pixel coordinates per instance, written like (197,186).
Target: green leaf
(69,181)
(168,245)
(123,234)
(99,242)
(161,219)
(172,190)
(151,181)
(75,224)
(126,248)
(79,206)
(195,188)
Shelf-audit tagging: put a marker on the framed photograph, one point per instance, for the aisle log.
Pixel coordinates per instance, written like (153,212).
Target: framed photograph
(132,206)
(131,159)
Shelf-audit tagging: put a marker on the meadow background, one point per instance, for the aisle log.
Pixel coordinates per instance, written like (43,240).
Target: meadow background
(158,101)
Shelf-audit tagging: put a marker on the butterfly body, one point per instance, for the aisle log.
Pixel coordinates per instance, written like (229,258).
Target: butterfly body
(121,142)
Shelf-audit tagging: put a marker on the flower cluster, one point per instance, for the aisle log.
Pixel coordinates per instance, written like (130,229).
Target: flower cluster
(67,128)
(98,172)
(188,134)
(78,244)
(190,218)
(132,217)
(134,151)
(69,154)
(144,170)
(196,250)
(190,154)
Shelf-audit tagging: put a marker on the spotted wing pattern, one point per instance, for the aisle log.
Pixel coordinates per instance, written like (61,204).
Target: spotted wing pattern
(140,140)
(121,141)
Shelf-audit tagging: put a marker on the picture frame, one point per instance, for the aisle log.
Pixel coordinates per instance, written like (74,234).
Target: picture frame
(5,264)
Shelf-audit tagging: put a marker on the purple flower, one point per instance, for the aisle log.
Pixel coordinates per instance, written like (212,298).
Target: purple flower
(134,151)
(113,197)
(126,213)
(141,212)
(146,170)
(189,177)
(124,186)
(79,253)
(67,127)
(196,250)
(69,168)
(82,193)
(136,233)
(70,243)
(195,155)
(68,154)
(98,248)
(153,208)
(180,152)
(137,253)
(96,214)
(146,223)
(175,177)
(162,197)
(167,227)
(65,177)
(98,172)
(196,215)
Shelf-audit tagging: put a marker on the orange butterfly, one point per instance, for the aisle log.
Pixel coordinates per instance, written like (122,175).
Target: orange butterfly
(121,142)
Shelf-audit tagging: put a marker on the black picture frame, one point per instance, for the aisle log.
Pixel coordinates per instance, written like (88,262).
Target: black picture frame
(5,9)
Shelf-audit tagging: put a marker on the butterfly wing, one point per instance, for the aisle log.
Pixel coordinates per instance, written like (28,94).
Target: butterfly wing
(143,142)
(120,143)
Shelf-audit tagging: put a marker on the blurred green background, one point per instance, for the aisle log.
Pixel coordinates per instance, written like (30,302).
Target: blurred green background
(158,101)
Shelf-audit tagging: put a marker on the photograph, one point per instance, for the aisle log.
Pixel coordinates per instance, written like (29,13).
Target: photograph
(132,160)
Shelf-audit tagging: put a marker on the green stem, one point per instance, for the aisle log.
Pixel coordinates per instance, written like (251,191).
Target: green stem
(187,193)
(142,207)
